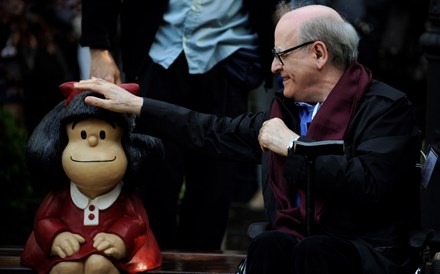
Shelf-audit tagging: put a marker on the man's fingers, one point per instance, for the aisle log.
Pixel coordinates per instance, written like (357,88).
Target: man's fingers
(94,101)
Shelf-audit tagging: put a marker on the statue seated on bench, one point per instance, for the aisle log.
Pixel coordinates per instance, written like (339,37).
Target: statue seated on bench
(92,221)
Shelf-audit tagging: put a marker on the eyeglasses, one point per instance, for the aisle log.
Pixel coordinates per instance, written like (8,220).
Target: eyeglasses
(279,54)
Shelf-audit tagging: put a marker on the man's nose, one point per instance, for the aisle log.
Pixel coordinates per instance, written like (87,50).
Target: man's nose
(276,66)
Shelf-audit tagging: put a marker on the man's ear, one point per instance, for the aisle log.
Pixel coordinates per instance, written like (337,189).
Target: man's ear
(321,54)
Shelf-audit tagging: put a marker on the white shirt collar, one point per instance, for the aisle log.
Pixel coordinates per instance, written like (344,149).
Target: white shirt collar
(102,202)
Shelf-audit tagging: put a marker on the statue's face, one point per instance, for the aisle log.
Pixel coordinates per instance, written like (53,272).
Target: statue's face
(94,158)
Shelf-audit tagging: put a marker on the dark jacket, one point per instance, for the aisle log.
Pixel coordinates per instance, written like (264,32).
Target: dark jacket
(139,21)
(372,190)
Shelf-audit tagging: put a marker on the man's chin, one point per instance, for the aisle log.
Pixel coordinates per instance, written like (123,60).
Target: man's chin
(287,93)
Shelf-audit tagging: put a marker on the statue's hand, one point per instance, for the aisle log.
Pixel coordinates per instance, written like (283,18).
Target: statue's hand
(111,244)
(66,244)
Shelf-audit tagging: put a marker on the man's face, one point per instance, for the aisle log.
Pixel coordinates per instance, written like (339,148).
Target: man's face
(94,158)
(297,71)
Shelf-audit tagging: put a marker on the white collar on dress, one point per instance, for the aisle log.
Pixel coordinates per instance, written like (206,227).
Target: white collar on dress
(102,202)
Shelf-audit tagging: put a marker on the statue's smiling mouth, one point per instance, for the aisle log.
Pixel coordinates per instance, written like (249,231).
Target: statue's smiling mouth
(92,161)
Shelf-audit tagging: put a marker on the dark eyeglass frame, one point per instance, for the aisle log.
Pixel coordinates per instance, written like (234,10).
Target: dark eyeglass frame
(279,54)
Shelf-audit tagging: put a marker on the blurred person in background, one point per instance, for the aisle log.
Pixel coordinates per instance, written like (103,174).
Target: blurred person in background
(205,55)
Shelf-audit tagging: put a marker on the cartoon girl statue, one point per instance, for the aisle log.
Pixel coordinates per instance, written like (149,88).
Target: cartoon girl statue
(94,221)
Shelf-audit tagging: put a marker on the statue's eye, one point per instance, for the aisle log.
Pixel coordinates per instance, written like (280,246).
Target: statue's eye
(102,134)
(83,134)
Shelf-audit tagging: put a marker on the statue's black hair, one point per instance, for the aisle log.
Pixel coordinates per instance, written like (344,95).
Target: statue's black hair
(48,140)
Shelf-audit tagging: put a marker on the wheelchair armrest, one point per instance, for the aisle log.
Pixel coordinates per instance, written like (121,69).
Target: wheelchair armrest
(420,238)
(435,239)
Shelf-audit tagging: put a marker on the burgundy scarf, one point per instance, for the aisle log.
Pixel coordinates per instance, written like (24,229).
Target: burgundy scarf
(329,123)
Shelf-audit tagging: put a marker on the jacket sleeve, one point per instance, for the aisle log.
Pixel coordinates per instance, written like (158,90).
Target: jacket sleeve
(382,150)
(229,138)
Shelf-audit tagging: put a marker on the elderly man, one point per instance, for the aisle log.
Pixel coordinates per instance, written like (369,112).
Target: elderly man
(366,200)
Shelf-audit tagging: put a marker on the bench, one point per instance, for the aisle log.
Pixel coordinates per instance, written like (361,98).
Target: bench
(173,262)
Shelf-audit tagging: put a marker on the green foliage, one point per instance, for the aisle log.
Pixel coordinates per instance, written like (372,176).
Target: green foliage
(14,179)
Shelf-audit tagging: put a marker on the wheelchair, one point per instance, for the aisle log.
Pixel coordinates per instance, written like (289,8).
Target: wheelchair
(425,242)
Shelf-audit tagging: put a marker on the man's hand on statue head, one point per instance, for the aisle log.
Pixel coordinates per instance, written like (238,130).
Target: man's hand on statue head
(115,99)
